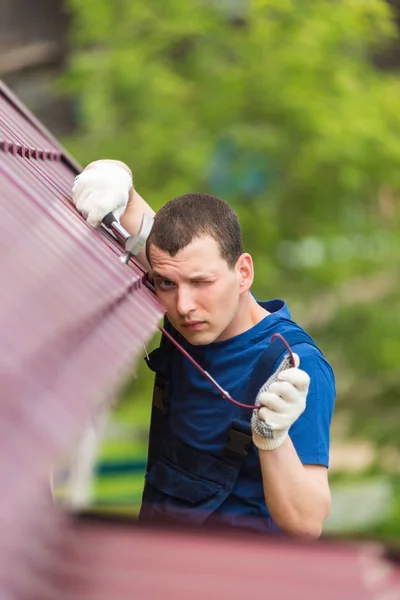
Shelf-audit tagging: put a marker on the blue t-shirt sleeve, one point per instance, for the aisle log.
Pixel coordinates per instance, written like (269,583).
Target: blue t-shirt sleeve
(310,433)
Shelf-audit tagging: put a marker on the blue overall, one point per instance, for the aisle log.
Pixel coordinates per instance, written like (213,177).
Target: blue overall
(202,464)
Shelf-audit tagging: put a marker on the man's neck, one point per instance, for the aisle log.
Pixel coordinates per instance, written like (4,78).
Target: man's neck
(256,312)
(249,314)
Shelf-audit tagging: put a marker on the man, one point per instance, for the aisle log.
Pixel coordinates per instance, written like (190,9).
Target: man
(201,467)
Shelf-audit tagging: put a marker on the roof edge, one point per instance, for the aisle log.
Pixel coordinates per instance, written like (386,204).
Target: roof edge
(29,116)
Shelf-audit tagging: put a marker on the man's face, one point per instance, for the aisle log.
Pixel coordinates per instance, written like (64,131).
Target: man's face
(199,291)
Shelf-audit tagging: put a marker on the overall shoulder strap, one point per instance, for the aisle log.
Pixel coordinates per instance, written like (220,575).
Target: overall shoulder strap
(239,435)
(269,357)
(159,361)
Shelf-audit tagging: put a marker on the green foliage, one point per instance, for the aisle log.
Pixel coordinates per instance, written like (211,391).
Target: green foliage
(279,106)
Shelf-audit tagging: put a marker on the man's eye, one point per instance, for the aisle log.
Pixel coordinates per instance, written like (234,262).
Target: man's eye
(165,284)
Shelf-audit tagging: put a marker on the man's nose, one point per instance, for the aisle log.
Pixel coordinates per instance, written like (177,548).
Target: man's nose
(185,303)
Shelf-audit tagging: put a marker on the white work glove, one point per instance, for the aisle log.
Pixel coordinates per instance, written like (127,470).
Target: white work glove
(101,189)
(283,399)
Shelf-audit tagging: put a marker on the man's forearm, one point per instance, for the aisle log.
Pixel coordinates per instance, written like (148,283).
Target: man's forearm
(132,219)
(297,496)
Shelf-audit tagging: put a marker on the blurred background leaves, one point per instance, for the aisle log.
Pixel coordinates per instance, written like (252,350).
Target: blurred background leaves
(278,107)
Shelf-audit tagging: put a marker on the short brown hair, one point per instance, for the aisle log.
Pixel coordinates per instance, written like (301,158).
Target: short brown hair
(191,216)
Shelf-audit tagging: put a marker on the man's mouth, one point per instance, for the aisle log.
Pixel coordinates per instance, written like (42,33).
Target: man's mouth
(193,325)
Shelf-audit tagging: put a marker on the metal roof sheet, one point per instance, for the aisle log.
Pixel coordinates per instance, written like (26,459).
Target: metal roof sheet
(73,319)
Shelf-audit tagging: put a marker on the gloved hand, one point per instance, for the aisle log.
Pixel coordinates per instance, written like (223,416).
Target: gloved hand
(283,399)
(100,189)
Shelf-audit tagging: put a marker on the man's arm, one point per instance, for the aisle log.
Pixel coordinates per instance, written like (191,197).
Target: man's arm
(298,496)
(106,186)
(297,407)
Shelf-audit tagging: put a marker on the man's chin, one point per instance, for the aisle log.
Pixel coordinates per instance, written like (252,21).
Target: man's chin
(197,338)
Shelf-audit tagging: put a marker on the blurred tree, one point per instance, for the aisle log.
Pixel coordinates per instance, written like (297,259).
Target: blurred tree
(277,105)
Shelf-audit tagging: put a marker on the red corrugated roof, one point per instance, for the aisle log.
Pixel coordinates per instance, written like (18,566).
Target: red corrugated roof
(73,317)
(89,560)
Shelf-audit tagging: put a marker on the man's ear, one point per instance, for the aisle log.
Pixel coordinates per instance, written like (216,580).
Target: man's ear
(245,270)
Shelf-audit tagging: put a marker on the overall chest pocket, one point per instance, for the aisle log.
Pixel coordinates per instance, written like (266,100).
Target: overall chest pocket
(189,495)
(182,496)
